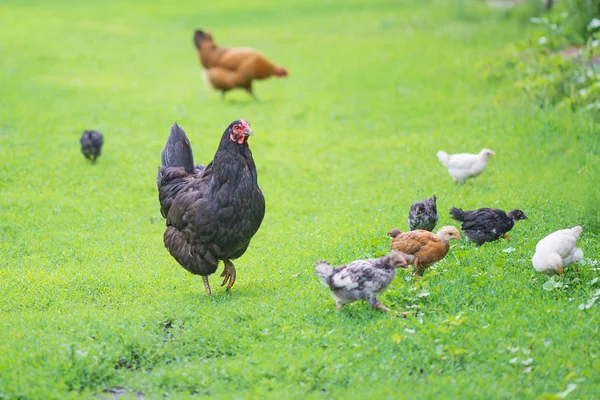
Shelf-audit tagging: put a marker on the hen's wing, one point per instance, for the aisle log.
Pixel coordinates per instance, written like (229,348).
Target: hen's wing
(231,58)
(190,237)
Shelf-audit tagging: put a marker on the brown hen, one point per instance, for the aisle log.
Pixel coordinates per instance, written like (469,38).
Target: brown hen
(227,68)
(422,248)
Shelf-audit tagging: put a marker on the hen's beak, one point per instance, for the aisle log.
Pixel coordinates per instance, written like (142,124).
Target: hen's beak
(492,153)
(248,132)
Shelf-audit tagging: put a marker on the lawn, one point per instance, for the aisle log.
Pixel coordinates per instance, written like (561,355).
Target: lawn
(91,300)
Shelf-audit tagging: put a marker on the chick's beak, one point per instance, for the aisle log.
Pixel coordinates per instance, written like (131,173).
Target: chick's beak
(492,153)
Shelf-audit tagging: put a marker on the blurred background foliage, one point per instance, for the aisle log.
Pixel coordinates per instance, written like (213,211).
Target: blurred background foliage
(559,64)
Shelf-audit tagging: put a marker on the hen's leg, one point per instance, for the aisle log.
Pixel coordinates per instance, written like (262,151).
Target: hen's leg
(249,90)
(339,306)
(228,274)
(206,285)
(505,236)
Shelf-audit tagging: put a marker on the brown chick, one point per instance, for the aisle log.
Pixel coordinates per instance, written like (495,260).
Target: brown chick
(227,68)
(422,248)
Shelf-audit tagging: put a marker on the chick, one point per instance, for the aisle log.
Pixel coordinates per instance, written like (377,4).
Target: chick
(360,280)
(557,250)
(91,145)
(422,248)
(423,215)
(486,224)
(464,165)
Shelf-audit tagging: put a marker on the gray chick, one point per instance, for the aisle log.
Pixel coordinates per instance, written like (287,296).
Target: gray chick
(91,145)
(423,215)
(362,279)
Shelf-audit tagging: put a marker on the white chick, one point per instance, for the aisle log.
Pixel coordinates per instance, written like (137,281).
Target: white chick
(557,250)
(464,165)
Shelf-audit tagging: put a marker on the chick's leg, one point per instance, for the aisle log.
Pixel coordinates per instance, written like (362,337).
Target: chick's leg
(382,307)
(206,285)
(418,271)
(339,306)
(228,274)
(373,302)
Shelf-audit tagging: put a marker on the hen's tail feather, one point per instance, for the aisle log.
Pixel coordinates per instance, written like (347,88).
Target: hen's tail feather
(178,150)
(457,214)
(325,271)
(443,157)
(281,72)
(177,167)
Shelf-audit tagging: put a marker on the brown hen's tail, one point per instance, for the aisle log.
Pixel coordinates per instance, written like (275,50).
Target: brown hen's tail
(281,72)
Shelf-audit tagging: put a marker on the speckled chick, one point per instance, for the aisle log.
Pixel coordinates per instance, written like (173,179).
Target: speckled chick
(361,279)
(423,215)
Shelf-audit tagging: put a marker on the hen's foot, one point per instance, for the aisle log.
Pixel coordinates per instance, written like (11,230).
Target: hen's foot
(206,285)
(339,306)
(228,274)
(505,236)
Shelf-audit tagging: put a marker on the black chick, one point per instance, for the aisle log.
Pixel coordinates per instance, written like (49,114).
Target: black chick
(486,224)
(423,215)
(91,145)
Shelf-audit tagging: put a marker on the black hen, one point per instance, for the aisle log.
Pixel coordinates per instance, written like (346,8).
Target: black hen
(212,212)
(91,145)
(423,215)
(486,224)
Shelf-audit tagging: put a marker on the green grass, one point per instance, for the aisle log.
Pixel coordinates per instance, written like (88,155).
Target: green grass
(90,299)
